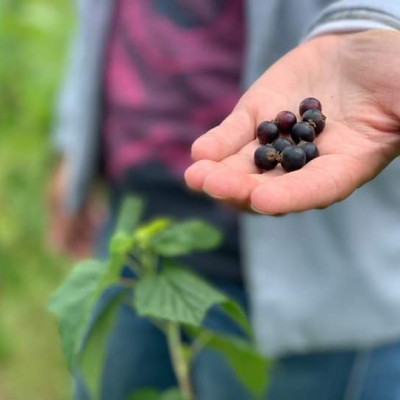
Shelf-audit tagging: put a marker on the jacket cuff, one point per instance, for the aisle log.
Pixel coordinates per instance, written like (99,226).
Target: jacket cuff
(351,20)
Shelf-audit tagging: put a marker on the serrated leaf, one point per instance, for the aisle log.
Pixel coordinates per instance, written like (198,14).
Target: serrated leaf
(185,237)
(145,394)
(129,215)
(235,311)
(175,295)
(249,365)
(91,358)
(71,304)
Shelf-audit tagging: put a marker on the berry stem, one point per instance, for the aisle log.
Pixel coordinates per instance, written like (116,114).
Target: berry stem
(179,363)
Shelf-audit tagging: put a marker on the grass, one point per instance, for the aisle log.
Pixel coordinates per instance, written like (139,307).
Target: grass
(33,42)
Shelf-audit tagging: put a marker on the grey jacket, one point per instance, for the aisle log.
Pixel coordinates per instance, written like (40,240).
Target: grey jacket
(341,293)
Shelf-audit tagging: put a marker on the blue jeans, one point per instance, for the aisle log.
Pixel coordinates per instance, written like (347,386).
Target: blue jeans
(372,374)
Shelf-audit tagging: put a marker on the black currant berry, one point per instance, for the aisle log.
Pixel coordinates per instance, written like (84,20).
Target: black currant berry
(267,132)
(316,119)
(310,149)
(293,158)
(285,121)
(265,157)
(280,143)
(310,103)
(303,131)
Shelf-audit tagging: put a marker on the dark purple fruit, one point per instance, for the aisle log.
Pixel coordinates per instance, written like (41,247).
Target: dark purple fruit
(310,149)
(293,158)
(316,119)
(265,157)
(280,143)
(267,132)
(310,103)
(303,131)
(285,121)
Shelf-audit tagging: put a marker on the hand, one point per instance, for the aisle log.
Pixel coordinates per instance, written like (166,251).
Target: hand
(69,232)
(357,79)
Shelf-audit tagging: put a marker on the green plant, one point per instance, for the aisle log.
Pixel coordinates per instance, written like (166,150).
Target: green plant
(167,293)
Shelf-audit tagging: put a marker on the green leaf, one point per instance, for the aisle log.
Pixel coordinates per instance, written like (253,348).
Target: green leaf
(172,394)
(235,311)
(71,305)
(145,394)
(151,394)
(120,243)
(129,215)
(123,239)
(175,295)
(147,231)
(91,357)
(109,276)
(185,237)
(248,364)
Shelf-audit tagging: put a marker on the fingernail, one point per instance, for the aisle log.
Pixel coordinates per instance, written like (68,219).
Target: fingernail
(255,210)
(214,196)
(263,212)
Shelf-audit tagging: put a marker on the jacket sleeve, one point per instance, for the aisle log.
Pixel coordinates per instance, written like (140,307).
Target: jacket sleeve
(67,107)
(356,15)
(75,131)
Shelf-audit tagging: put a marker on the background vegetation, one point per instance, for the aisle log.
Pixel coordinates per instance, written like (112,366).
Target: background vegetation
(33,42)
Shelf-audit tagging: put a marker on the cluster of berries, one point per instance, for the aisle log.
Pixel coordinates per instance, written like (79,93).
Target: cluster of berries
(295,148)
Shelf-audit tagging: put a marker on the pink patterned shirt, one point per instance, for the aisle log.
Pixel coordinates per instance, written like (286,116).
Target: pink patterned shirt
(172,72)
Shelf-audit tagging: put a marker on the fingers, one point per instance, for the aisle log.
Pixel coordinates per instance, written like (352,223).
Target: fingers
(239,128)
(319,184)
(197,172)
(226,183)
(73,235)
(220,181)
(322,182)
(242,161)
(226,139)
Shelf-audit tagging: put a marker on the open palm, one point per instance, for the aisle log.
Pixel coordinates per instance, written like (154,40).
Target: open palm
(357,79)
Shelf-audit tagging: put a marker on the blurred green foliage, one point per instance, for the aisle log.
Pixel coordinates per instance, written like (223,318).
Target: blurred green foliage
(33,42)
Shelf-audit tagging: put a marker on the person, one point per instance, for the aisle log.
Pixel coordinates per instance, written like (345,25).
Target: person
(320,305)
(324,278)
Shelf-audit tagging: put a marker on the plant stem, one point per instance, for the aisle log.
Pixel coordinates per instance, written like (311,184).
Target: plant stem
(179,363)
